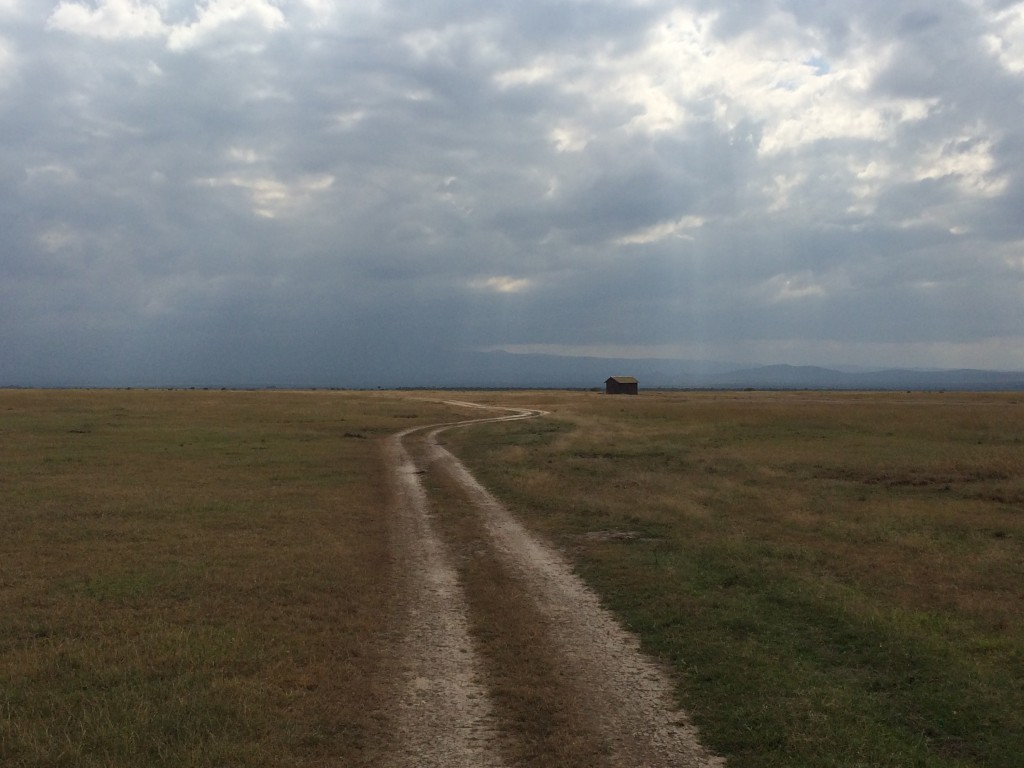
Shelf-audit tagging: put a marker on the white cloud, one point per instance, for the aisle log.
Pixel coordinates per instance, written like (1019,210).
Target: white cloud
(321,11)
(451,42)
(57,173)
(272,197)
(1012,255)
(835,113)
(775,75)
(58,238)
(133,19)
(110,20)
(868,180)
(217,14)
(783,188)
(967,158)
(350,118)
(677,228)
(244,155)
(502,284)
(569,137)
(1006,37)
(539,71)
(791,287)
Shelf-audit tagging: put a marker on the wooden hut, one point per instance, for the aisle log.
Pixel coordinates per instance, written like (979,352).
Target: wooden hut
(621,385)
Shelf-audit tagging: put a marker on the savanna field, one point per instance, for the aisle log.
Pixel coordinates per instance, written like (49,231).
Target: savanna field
(204,578)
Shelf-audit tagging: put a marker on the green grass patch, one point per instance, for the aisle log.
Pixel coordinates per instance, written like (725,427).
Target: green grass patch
(834,578)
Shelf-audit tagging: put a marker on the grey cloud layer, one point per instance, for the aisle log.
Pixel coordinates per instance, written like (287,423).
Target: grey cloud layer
(265,189)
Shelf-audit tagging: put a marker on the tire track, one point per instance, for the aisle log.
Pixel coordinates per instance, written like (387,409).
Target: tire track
(443,716)
(628,697)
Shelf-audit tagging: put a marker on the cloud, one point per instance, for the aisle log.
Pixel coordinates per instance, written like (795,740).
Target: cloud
(1005,34)
(110,20)
(272,197)
(661,230)
(501,284)
(133,19)
(216,15)
(792,287)
(726,176)
(8,62)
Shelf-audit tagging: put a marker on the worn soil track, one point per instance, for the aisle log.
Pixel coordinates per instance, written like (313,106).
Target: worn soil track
(444,715)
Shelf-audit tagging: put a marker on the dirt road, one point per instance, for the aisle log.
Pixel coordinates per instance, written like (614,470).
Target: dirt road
(616,707)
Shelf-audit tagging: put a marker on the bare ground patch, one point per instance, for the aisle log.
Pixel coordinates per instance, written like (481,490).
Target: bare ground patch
(442,713)
(570,684)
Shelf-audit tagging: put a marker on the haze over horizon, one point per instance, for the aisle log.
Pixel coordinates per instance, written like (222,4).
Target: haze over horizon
(300,190)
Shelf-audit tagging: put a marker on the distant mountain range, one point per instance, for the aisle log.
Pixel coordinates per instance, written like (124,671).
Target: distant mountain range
(502,369)
(461,369)
(813,377)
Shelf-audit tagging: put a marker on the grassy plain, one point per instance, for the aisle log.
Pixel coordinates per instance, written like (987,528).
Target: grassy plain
(200,578)
(835,579)
(194,578)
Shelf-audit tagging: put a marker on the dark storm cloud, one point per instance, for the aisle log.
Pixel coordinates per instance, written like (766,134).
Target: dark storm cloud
(246,189)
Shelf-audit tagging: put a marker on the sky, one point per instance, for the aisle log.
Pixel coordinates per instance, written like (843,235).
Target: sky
(307,191)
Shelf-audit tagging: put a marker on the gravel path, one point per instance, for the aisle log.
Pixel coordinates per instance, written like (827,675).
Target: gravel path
(445,716)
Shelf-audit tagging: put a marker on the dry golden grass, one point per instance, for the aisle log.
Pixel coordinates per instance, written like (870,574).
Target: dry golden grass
(202,578)
(194,578)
